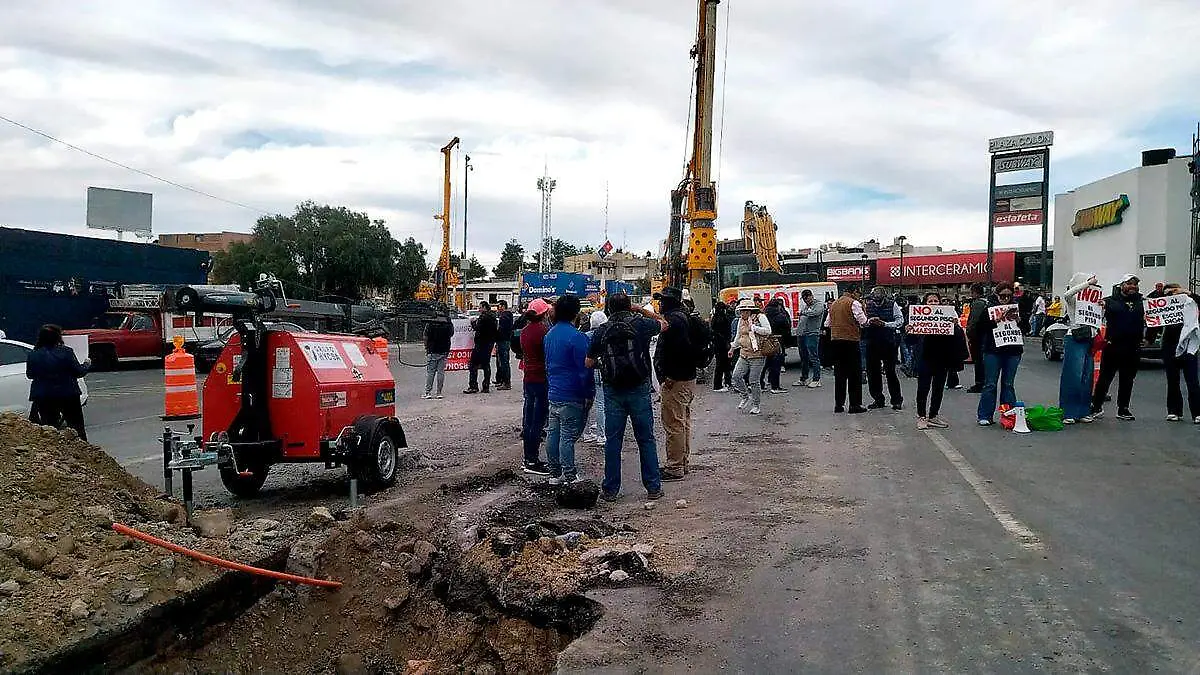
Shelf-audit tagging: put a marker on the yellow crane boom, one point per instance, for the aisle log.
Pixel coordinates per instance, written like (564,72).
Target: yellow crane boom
(758,233)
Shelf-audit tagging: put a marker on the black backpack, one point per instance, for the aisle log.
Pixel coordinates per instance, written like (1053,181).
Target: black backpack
(622,364)
(700,335)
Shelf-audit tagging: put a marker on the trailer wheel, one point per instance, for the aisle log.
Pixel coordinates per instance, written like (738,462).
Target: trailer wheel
(378,458)
(244,486)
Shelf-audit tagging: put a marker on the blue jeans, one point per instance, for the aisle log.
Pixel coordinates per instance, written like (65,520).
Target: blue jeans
(634,405)
(1075,383)
(533,418)
(810,357)
(435,368)
(503,369)
(1035,324)
(1002,368)
(566,426)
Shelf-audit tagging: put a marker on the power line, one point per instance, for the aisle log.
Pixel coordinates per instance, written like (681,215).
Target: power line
(147,174)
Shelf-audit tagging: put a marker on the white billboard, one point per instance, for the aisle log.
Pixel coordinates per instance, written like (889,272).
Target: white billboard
(1021,141)
(120,210)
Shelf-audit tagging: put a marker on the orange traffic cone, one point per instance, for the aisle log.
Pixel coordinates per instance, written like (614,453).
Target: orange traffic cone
(181,402)
(381,347)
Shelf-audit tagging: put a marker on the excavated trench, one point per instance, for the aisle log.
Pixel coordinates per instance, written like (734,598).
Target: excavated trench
(508,599)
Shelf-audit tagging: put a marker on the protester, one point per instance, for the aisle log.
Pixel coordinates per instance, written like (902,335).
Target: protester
(596,431)
(1055,311)
(781,328)
(1000,361)
(752,326)
(54,390)
(504,336)
(1124,333)
(935,357)
(1153,333)
(569,388)
(808,338)
(487,331)
(1024,300)
(537,403)
(1075,380)
(1038,319)
(438,332)
(675,360)
(1180,343)
(845,321)
(620,350)
(722,328)
(884,319)
(975,334)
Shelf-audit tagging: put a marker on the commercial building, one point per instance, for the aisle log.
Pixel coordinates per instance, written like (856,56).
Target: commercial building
(204,241)
(492,292)
(1138,221)
(618,266)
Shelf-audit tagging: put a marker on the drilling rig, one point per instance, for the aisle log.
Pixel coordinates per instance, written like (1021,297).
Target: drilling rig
(437,289)
(758,235)
(695,199)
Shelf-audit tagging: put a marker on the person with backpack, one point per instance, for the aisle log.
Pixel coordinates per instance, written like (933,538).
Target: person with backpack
(620,351)
(680,351)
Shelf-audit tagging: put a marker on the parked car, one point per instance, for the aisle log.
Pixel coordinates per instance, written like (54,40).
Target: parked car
(208,353)
(1053,336)
(14,386)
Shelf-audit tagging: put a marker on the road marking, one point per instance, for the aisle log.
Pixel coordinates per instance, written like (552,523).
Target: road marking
(1025,536)
(118,422)
(142,460)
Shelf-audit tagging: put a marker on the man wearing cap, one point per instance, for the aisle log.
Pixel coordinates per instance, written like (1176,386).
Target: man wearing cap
(1124,333)
(537,401)
(675,364)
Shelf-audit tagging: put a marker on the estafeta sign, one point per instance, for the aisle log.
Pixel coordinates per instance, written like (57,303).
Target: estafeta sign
(931,319)
(1017,218)
(1039,139)
(1019,162)
(1088,311)
(1166,311)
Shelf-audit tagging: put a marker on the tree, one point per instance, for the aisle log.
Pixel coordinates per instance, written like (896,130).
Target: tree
(472,271)
(319,250)
(411,269)
(559,250)
(511,260)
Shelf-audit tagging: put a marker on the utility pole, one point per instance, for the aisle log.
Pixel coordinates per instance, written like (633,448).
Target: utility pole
(902,239)
(462,263)
(546,186)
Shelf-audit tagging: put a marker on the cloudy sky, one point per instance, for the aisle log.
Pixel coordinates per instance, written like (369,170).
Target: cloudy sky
(849,120)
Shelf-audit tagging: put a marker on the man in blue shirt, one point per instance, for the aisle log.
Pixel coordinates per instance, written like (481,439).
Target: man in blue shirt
(570,385)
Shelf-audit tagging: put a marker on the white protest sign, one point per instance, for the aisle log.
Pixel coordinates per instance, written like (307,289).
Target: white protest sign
(1088,310)
(1166,311)
(1006,333)
(462,343)
(931,319)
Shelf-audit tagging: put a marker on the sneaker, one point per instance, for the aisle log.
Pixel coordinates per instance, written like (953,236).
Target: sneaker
(471,390)
(800,383)
(503,387)
(877,405)
(1068,420)
(1172,418)
(856,410)
(587,438)
(611,496)
(1124,414)
(654,496)
(815,384)
(745,402)
(922,423)
(957,386)
(975,390)
(1096,414)
(985,423)
(838,410)
(754,410)
(438,396)
(555,480)
(572,479)
(938,423)
(536,468)
(426,396)
(779,391)
(671,476)
(1196,419)
(1086,419)
(486,390)
(720,390)
(899,405)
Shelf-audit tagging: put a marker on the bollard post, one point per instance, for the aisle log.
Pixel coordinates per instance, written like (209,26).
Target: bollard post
(354,493)
(187,485)
(166,443)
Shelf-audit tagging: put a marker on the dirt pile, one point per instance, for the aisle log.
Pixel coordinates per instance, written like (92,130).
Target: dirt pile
(64,574)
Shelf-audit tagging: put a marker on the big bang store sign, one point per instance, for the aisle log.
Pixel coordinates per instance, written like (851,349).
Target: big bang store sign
(952,268)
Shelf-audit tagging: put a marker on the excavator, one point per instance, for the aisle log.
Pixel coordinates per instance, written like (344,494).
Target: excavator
(444,277)
(695,198)
(758,235)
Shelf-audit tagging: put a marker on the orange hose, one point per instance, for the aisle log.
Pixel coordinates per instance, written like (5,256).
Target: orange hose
(220,562)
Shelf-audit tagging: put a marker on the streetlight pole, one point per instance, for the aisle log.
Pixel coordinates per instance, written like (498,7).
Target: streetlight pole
(902,239)
(462,263)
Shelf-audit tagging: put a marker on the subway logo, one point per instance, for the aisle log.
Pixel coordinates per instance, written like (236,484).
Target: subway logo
(1100,215)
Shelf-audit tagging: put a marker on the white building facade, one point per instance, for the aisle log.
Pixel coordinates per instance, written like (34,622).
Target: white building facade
(1135,222)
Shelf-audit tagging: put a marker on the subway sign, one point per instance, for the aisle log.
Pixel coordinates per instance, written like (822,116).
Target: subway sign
(1100,216)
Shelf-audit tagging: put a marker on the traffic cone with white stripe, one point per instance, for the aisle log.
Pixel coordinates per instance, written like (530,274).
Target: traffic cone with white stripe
(182,400)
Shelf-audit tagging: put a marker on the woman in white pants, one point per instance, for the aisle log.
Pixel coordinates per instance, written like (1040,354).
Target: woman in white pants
(752,326)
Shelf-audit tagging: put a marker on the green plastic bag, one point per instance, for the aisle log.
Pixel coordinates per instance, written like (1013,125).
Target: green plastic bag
(1041,418)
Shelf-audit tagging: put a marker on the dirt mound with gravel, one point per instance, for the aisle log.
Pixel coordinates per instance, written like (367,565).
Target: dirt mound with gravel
(64,574)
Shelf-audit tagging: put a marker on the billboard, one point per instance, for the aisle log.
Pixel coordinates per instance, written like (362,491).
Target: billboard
(1017,218)
(1021,161)
(847,272)
(1040,139)
(120,210)
(944,269)
(1019,204)
(554,284)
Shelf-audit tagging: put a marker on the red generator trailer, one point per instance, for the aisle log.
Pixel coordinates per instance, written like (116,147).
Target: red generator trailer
(276,397)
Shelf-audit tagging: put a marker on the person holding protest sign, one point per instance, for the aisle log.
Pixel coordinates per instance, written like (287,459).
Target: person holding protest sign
(1125,321)
(1081,301)
(939,349)
(1003,345)
(1180,344)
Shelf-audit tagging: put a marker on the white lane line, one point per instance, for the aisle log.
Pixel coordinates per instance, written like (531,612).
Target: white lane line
(1025,536)
(141,460)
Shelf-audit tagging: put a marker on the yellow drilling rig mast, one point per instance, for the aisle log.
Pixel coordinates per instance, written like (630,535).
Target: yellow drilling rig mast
(758,235)
(444,276)
(695,199)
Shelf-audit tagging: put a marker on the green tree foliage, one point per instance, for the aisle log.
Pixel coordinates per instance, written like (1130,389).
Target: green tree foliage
(559,250)
(411,269)
(319,250)
(511,260)
(473,271)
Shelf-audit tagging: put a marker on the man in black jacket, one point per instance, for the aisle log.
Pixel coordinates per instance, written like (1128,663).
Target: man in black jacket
(1124,334)
(504,321)
(438,332)
(675,364)
(487,331)
(978,308)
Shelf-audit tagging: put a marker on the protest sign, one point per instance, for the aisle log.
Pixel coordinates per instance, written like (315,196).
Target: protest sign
(931,319)
(1088,310)
(1166,311)
(1006,333)
(461,345)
